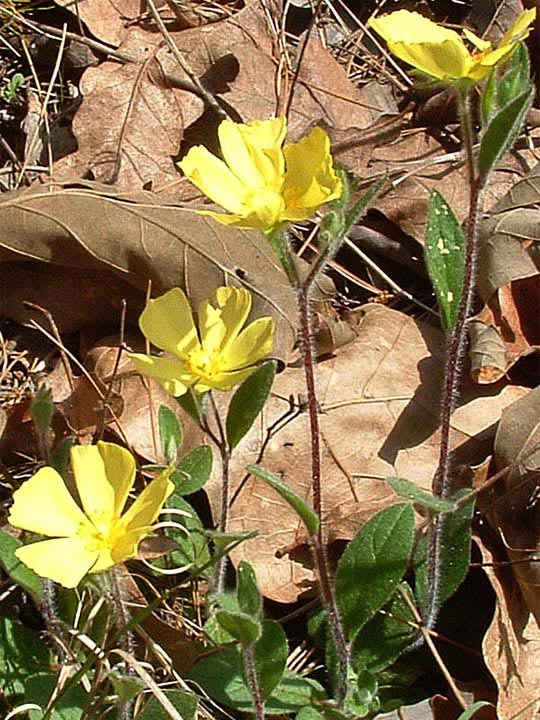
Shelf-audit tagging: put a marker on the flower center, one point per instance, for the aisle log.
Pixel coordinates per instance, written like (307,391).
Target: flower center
(205,365)
(100,533)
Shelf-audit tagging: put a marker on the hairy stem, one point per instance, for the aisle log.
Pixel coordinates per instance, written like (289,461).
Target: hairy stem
(455,351)
(225,453)
(321,558)
(252,681)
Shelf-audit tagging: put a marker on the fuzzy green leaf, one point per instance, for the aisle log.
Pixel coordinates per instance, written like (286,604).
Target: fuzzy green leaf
(470,712)
(445,257)
(247,592)
(221,676)
(455,552)
(410,491)
(502,131)
(22,653)
(248,401)
(42,409)
(305,512)
(193,471)
(373,564)
(171,434)
(271,651)
(383,638)
(242,627)
(186,704)
(17,571)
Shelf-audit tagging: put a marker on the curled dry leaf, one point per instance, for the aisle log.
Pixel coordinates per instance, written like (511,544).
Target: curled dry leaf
(137,240)
(509,283)
(514,511)
(511,646)
(379,415)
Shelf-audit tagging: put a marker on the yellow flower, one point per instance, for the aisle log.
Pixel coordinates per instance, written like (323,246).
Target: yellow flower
(98,538)
(219,356)
(262,183)
(440,52)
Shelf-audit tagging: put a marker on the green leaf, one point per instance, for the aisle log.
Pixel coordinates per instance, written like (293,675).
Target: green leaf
(455,552)
(42,409)
(470,712)
(360,208)
(221,676)
(60,455)
(383,638)
(242,627)
(17,571)
(445,257)
(309,713)
(68,705)
(373,564)
(193,471)
(192,542)
(247,592)
(171,434)
(22,653)
(186,704)
(195,405)
(271,651)
(305,512)
(407,489)
(126,687)
(248,401)
(502,131)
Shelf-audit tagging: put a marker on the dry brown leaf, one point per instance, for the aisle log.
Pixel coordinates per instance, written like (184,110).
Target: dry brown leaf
(130,124)
(108,20)
(143,116)
(508,327)
(134,238)
(511,645)
(379,417)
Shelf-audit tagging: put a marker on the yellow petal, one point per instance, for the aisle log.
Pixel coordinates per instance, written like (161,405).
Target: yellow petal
(64,560)
(239,156)
(126,547)
(235,305)
(253,344)
(170,374)
(93,485)
(520,29)
(44,505)
(478,42)
(120,470)
(212,176)
(411,27)
(211,327)
(310,179)
(167,322)
(432,49)
(148,505)
(253,151)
